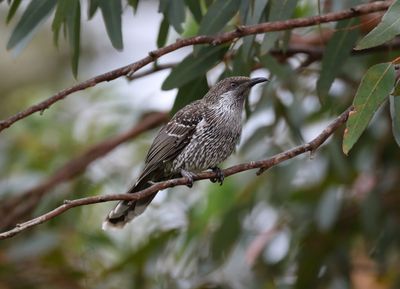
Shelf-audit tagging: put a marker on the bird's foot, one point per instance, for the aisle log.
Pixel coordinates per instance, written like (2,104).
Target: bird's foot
(188,176)
(220,176)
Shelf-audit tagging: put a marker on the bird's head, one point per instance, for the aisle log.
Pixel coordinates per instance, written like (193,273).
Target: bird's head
(232,90)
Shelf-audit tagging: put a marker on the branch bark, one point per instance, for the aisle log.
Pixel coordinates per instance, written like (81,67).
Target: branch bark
(16,208)
(203,39)
(262,165)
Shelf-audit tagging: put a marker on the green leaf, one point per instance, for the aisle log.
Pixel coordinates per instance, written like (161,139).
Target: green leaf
(219,13)
(195,9)
(33,15)
(68,13)
(174,12)
(134,4)
(375,86)
(74,32)
(255,14)
(14,7)
(335,55)
(194,66)
(395,114)
(280,10)
(111,10)
(189,92)
(282,71)
(93,6)
(163,33)
(387,29)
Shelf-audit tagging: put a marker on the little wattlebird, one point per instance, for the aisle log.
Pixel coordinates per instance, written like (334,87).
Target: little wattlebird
(200,136)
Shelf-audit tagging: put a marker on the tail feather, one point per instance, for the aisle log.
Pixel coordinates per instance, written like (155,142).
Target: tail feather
(126,211)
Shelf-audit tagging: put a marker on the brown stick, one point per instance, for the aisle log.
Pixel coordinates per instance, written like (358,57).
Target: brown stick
(262,165)
(203,39)
(12,210)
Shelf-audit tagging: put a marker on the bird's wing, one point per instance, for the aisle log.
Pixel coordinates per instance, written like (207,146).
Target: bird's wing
(173,138)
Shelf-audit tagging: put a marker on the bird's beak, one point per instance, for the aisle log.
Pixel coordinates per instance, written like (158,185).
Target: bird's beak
(256,80)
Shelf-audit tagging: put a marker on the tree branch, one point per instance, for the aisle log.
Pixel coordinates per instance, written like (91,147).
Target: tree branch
(16,208)
(203,39)
(262,165)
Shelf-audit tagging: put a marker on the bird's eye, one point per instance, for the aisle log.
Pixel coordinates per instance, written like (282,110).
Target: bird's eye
(234,84)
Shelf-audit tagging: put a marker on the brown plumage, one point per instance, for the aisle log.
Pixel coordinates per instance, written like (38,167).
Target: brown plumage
(199,136)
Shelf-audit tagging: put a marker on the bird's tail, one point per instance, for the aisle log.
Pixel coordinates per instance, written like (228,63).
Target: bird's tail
(126,211)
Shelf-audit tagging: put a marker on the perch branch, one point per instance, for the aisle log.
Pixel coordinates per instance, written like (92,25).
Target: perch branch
(196,40)
(262,165)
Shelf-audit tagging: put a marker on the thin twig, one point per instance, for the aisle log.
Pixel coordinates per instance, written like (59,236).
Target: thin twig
(262,165)
(203,39)
(14,209)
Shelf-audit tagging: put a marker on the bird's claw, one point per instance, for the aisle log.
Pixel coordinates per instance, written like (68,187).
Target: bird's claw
(189,177)
(219,176)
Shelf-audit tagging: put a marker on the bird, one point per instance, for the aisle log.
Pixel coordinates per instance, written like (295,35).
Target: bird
(198,137)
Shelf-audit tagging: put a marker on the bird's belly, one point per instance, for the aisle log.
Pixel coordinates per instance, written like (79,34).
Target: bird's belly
(207,150)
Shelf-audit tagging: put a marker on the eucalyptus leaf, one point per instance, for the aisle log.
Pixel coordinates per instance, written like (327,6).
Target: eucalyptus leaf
(280,10)
(375,87)
(336,54)
(111,11)
(218,14)
(194,66)
(163,33)
(14,7)
(35,13)
(386,30)
(395,115)
(190,92)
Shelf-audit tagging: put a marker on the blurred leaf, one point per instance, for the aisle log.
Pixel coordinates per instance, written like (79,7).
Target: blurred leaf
(189,92)
(227,234)
(33,15)
(134,4)
(336,54)
(255,14)
(163,33)
(14,7)
(111,11)
(328,210)
(387,29)
(74,32)
(68,13)
(219,13)
(193,66)
(93,6)
(281,70)
(195,9)
(280,10)
(395,114)
(174,11)
(375,87)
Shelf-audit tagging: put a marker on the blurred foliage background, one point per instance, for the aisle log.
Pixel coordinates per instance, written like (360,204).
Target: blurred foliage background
(324,220)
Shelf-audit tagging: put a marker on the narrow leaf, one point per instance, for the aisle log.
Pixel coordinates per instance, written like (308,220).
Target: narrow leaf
(395,114)
(163,33)
(134,4)
(93,6)
(176,14)
(335,55)
(195,9)
(33,15)
(219,13)
(386,30)
(111,10)
(14,7)
(193,66)
(189,92)
(74,28)
(375,86)
(280,10)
